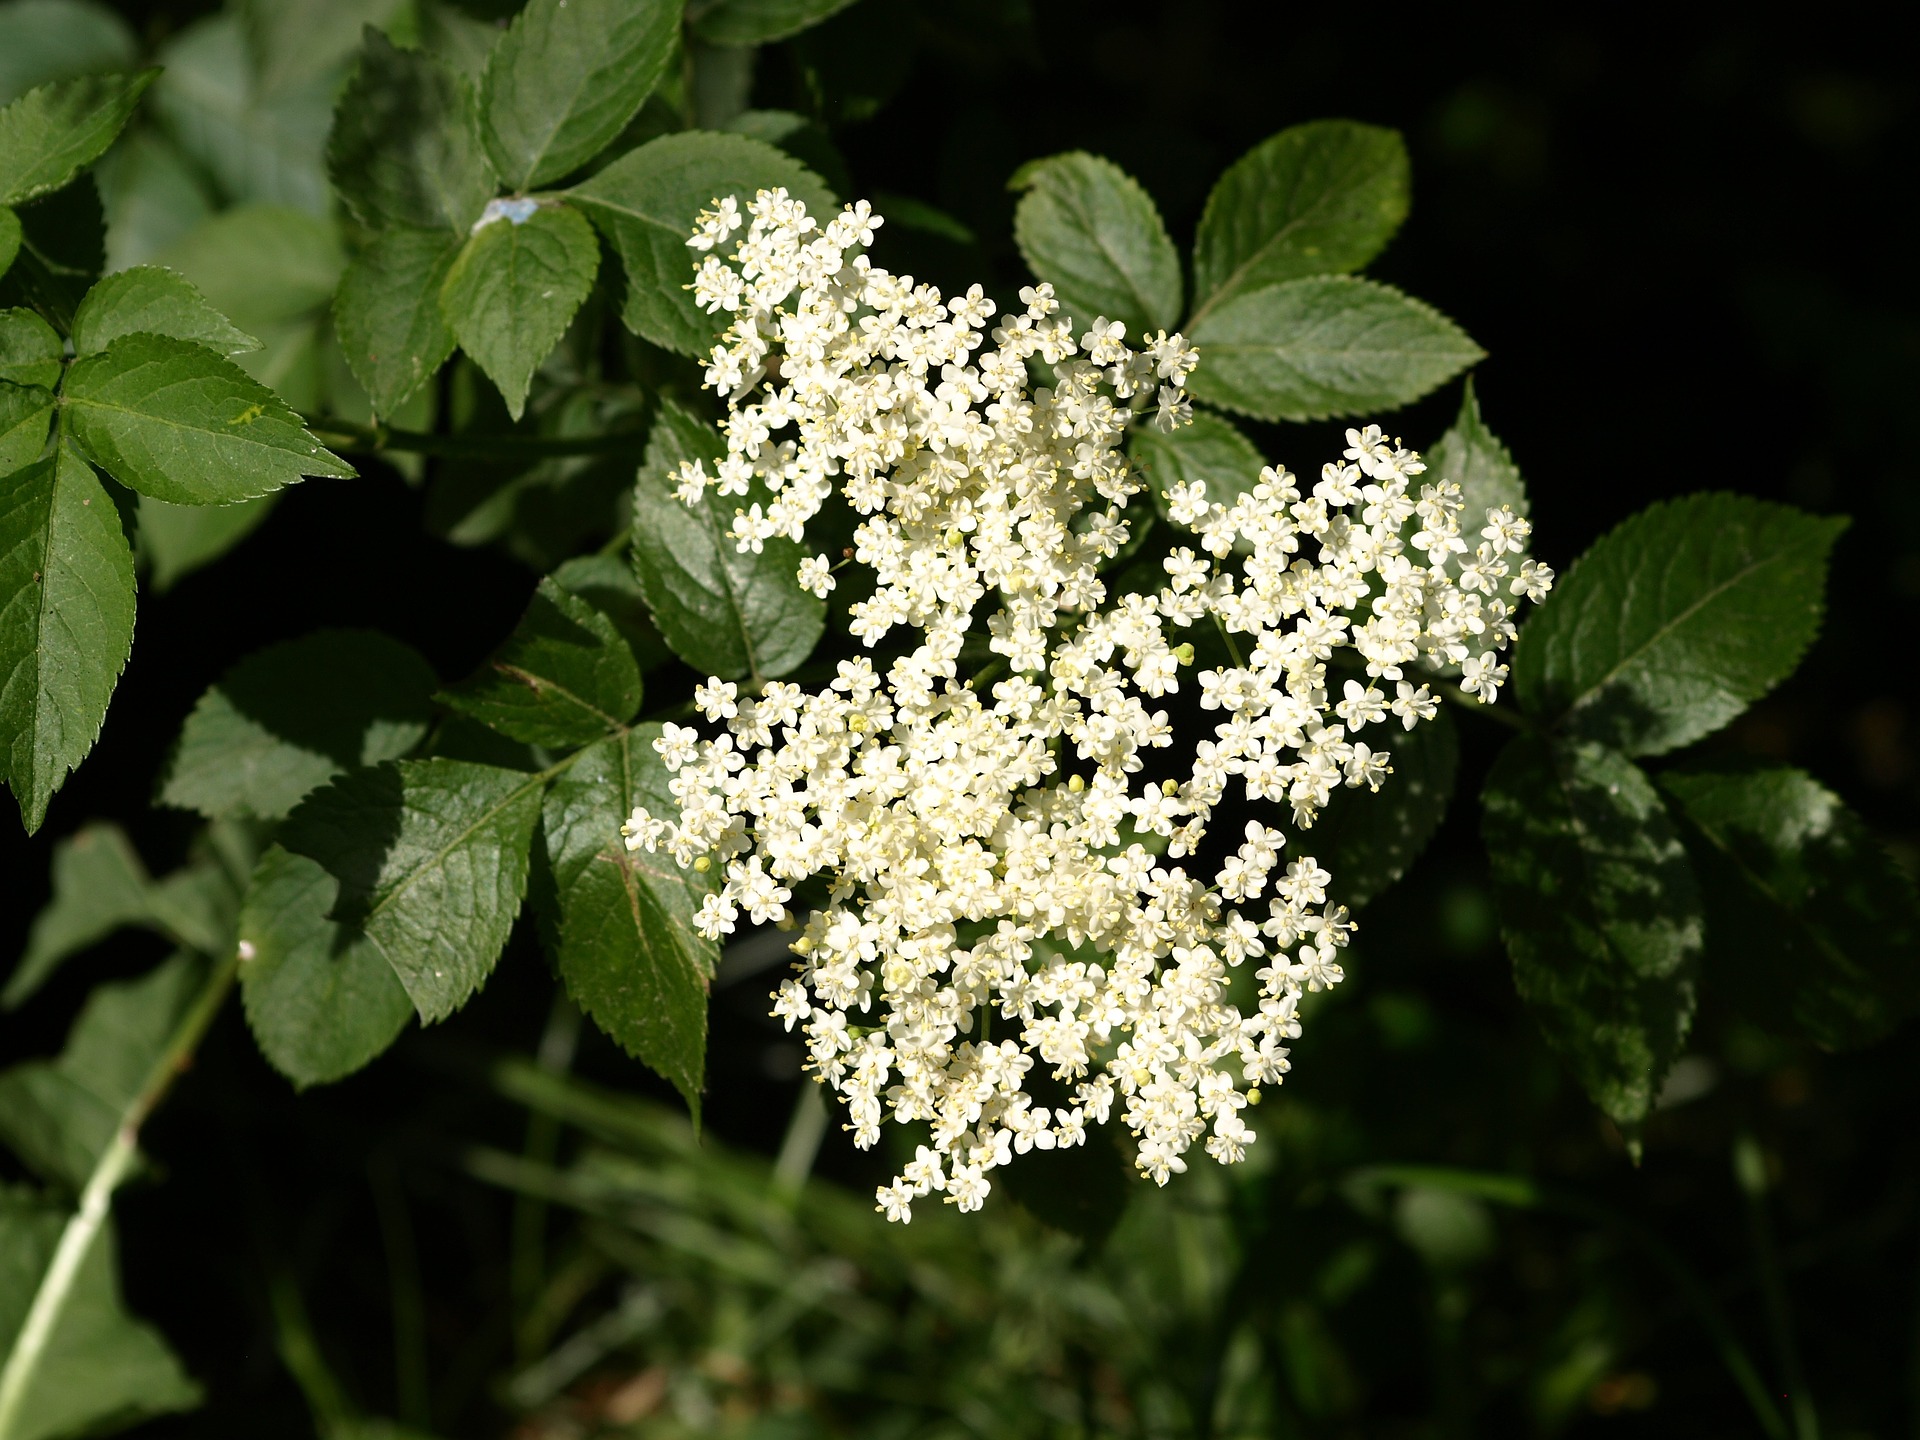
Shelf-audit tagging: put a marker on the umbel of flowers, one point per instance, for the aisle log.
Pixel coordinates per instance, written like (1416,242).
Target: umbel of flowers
(996,862)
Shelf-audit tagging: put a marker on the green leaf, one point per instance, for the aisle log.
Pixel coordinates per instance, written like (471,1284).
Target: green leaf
(607,583)
(153,195)
(1211,451)
(289,718)
(320,997)
(175,421)
(176,540)
(99,886)
(645,203)
(1331,345)
(760,22)
(1811,926)
(157,301)
(50,134)
(809,143)
(626,945)
(297,42)
(30,350)
(102,1369)
(9,238)
(1316,199)
(387,313)
(59,1115)
(1676,621)
(1368,840)
(724,613)
(1600,913)
(563,678)
(26,417)
(42,40)
(512,290)
(432,859)
(1087,227)
(565,79)
(62,250)
(66,622)
(404,148)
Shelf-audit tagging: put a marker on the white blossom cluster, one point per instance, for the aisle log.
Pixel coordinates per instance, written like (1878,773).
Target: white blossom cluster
(1000,871)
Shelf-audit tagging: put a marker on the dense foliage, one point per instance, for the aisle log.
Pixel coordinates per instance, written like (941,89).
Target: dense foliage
(352,347)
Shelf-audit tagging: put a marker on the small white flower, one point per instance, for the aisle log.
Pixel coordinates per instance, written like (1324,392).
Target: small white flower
(816,575)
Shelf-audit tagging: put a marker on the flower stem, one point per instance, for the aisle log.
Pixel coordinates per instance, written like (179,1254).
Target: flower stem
(338,434)
(96,1200)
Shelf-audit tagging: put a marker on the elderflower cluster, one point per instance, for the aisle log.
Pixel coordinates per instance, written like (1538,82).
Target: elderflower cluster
(997,872)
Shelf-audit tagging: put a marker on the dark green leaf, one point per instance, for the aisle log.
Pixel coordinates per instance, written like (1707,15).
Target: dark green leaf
(157,301)
(810,144)
(1368,840)
(99,885)
(431,856)
(404,148)
(298,42)
(645,202)
(1316,199)
(42,40)
(66,622)
(175,421)
(102,1368)
(9,238)
(1811,926)
(62,250)
(59,1115)
(26,418)
(760,22)
(49,135)
(1676,621)
(563,678)
(30,350)
(289,718)
(566,78)
(387,313)
(626,946)
(1600,913)
(607,583)
(512,289)
(1087,227)
(152,194)
(722,612)
(1211,451)
(176,540)
(320,998)
(1473,458)
(1331,345)
(1082,1191)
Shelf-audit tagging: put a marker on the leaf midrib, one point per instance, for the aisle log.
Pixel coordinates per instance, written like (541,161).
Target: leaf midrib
(439,857)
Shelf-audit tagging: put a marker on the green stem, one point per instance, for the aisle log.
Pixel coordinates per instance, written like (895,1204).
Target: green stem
(1512,719)
(1750,1171)
(801,1144)
(96,1200)
(1520,1193)
(372,439)
(529,1259)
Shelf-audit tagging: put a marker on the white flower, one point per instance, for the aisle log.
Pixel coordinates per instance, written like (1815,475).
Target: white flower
(993,858)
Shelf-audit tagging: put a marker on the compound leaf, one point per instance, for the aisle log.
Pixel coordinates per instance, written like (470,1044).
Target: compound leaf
(387,313)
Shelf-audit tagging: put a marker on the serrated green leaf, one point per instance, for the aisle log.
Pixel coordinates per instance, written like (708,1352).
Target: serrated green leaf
(1325,346)
(99,886)
(52,133)
(760,22)
(1086,227)
(722,612)
(432,860)
(59,1115)
(1368,839)
(625,942)
(30,350)
(175,421)
(26,419)
(1211,451)
(42,40)
(260,145)
(66,622)
(289,718)
(157,301)
(102,1368)
(1473,457)
(565,79)
(1600,912)
(9,238)
(405,149)
(513,288)
(808,142)
(176,540)
(1676,621)
(1316,199)
(1811,926)
(320,998)
(387,313)
(563,678)
(607,583)
(645,203)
